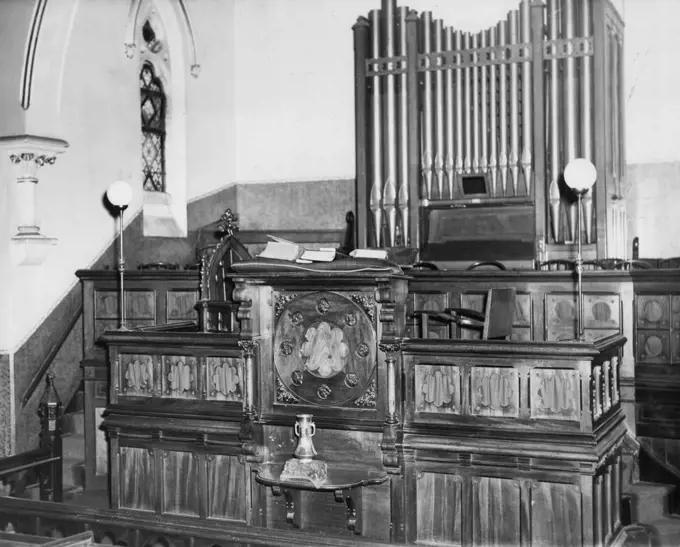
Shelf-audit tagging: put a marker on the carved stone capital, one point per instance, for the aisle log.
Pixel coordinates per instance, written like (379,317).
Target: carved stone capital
(29,152)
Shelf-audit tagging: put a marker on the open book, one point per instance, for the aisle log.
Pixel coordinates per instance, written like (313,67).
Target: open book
(282,249)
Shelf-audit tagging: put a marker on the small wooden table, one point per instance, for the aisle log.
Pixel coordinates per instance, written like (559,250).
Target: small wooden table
(341,480)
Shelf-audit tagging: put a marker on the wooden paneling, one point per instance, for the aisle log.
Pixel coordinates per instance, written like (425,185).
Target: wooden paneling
(226,487)
(555,508)
(440,508)
(180,482)
(138,479)
(496,512)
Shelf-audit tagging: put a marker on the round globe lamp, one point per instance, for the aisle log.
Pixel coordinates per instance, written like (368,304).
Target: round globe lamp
(580,175)
(119,195)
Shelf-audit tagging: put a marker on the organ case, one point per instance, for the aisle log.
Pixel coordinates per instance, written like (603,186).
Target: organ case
(462,138)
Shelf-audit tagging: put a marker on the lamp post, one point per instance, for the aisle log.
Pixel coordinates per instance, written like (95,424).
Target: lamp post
(119,195)
(580,175)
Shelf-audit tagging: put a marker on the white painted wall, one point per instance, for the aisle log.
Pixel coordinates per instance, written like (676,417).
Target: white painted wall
(652,81)
(86,92)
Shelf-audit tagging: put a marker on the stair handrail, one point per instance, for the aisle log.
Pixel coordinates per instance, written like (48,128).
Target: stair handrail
(38,377)
(47,458)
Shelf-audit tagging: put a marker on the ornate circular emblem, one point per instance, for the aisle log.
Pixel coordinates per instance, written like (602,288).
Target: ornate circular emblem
(351,380)
(286,347)
(322,306)
(325,349)
(296,318)
(362,350)
(324,391)
(297,377)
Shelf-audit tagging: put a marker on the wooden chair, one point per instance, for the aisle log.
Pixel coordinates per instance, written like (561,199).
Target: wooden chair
(495,322)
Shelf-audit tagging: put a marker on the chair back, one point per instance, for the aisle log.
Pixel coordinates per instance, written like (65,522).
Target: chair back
(499,313)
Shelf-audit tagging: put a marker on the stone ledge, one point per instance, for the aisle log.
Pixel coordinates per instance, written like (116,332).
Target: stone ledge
(31,249)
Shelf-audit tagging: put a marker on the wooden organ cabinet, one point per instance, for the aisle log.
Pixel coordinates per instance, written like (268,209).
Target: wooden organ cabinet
(415,440)
(462,138)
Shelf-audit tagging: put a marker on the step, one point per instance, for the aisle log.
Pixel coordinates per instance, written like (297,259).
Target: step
(649,501)
(665,531)
(74,423)
(73,446)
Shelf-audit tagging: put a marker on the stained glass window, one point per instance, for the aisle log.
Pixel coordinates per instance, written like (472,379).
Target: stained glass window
(153,105)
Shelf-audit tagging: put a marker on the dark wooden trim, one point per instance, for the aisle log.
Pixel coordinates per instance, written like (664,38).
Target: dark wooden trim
(26,460)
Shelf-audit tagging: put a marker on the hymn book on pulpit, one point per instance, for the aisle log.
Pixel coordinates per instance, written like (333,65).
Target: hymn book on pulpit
(282,249)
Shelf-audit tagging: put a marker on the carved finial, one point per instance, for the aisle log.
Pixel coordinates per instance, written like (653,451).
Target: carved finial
(228,223)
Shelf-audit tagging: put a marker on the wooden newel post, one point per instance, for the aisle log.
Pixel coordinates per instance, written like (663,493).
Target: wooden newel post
(51,413)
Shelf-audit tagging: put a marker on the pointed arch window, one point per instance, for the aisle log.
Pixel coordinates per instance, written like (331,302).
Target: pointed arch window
(153,109)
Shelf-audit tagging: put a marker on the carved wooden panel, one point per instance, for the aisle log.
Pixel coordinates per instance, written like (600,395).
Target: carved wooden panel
(555,394)
(180,305)
(653,311)
(653,347)
(494,391)
(602,311)
(225,380)
(555,514)
(180,376)
(140,304)
(106,312)
(226,487)
(437,389)
(138,375)
(439,508)
(495,512)
(324,347)
(138,479)
(560,317)
(180,482)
